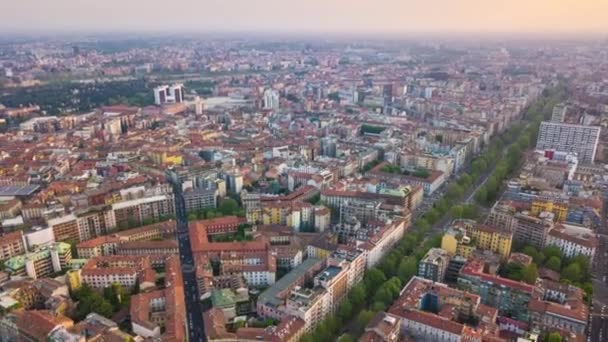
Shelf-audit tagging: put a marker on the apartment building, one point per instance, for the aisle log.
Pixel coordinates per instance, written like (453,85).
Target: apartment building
(41,263)
(100,246)
(32,325)
(254,260)
(383,327)
(271,302)
(162,247)
(158,230)
(382,240)
(200,198)
(298,215)
(128,271)
(422,307)
(533,230)
(334,280)
(580,139)
(222,225)
(352,260)
(508,296)
(486,237)
(310,305)
(502,216)
(65,228)
(138,210)
(559,208)
(434,264)
(93,223)
(573,240)
(165,94)
(258,268)
(558,307)
(11,244)
(322,218)
(161,314)
(404,197)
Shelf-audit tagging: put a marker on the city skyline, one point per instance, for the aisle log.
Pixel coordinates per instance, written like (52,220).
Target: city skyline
(542,17)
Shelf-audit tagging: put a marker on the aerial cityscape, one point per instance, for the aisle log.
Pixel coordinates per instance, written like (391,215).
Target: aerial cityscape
(338,176)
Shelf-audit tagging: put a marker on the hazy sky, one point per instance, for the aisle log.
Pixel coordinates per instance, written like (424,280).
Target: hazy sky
(541,16)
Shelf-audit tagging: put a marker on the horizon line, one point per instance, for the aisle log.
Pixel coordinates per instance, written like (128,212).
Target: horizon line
(307,33)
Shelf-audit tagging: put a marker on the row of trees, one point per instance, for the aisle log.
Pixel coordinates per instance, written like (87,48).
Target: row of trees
(381,285)
(518,138)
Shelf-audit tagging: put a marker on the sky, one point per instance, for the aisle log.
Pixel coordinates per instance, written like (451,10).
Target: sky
(306,16)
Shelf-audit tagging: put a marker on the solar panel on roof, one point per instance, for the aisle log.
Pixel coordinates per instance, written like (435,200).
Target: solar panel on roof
(18,190)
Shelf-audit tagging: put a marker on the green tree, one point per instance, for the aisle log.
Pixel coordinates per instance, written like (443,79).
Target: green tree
(383,295)
(379,306)
(308,338)
(553,337)
(408,267)
(456,211)
(192,216)
(481,195)
(470,211)
(394,286)
(572,272)
(465,180)
(529,273)
(552,251)
(228,206)
(345,311)
(442,206)
(357,295)
(105,309)
(479,165)
(363,318)
(455,191)
(373,279)
(512,271)
(432,216)
(554,263)
(535,254)
(584,264)
(422,224)
(346,338)
(390,263)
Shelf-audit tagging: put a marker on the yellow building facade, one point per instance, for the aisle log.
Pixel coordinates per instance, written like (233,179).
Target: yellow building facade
(466,236)
(560,210)
(489,238)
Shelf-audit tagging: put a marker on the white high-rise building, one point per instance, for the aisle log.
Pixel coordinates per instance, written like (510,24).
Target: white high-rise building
(169,94)
(271,99)
(198,105)
(563,137)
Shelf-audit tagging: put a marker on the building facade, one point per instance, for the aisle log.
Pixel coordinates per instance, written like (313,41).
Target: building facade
(580,139)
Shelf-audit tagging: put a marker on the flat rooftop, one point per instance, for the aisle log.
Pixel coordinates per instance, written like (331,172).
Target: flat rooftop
(329,273)
(269,295)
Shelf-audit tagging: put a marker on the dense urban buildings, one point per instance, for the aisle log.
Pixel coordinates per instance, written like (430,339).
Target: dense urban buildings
(318,190)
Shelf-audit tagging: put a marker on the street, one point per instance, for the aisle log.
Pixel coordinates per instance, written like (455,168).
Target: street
(194,314)
(598,316)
